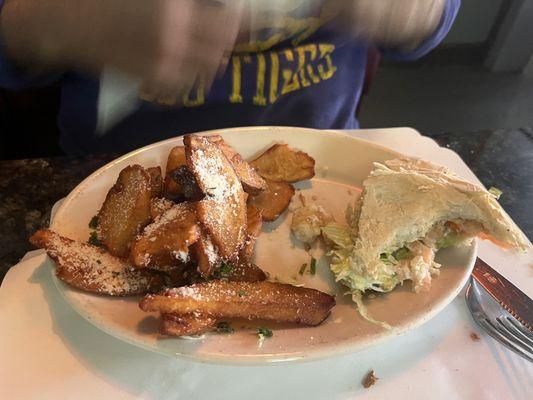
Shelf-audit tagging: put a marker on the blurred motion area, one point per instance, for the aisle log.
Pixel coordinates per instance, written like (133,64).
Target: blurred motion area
(480,78)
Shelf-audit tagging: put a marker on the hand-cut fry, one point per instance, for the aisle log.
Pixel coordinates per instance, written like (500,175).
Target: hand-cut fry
(166,241)
(156,181)
(240,272)
(222,212)
(251,181)
(254,222)
(187,183)
(92,269)
(159,206)
(206,254)
(281,163)
(259,300)
(176,158)
(274,200)
(186,324)
(126,210)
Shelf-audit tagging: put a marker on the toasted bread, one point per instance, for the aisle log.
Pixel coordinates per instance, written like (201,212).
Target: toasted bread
(222,212)
(274,200)
(167,240)
(126,210)
(92,269)
(281,163)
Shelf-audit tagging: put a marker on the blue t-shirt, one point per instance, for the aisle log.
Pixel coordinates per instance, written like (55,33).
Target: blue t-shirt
(310,77)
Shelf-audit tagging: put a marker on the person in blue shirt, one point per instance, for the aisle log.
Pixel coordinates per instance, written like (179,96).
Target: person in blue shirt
(206,64)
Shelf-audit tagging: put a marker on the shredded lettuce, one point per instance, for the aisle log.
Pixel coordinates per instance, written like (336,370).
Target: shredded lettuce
(495,192)
(451,239)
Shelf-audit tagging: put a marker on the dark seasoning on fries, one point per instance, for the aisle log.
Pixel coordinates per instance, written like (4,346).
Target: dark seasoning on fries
(185,240)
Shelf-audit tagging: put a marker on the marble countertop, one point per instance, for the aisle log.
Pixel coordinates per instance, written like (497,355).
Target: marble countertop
(29,188)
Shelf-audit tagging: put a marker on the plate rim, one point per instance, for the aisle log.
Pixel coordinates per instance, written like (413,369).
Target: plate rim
(258,359)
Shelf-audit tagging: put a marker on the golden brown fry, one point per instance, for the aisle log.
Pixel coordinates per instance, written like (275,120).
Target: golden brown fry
(91,269)
(185,324)
(251,181)
(126,210)
(253,229)
(166,241)
(242,272)
(158,207)
(187,183)
(222,212)
(259,300)
(274,200)
(176,158)
(206,254)
(156,181)
(281,163)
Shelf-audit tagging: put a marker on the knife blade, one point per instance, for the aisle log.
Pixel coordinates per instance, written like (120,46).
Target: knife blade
(512,299)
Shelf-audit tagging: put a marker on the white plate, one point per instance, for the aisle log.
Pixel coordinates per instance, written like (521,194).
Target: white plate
(342,162)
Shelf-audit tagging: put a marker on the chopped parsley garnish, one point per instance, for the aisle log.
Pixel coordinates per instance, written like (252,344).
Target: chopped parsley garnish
(495,192)
(223,271)
(302,268)
(93,239)
(264,332)
(224,327)
(241,293)
(312,267)
(93,223)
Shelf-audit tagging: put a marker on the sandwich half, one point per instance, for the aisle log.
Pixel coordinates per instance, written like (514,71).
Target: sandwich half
(409,209)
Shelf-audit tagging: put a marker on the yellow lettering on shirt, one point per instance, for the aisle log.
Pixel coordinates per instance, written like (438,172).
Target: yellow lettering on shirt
(200,97)
(274,73)
(327,71)
(259,98)
(290,77)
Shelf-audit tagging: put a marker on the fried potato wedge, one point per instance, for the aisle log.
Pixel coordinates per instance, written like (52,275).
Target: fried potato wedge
(158,207)
(176,158)
(222,212)
(167,240)
(126,210)
(274,200)
(254,222)
(281,163)
(92,269)
(259,300)
(251,181)
(156,181)
(186,324)
(187,182)
(206,255)
(241,272)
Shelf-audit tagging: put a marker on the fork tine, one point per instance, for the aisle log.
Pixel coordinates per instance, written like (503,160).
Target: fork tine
(515,332)
(525,331)
(503,339)
(509,335)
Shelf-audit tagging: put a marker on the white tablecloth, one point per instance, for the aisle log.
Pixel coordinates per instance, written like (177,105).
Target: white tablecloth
(49,352)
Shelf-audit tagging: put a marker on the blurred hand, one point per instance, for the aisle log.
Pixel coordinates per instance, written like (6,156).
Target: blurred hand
(169,44)
(394,23)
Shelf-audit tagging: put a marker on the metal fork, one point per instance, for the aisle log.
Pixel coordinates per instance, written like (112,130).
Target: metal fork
(497,322)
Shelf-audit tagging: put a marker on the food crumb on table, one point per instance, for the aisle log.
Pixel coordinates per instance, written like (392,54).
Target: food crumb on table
(475,337)
(370,379)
